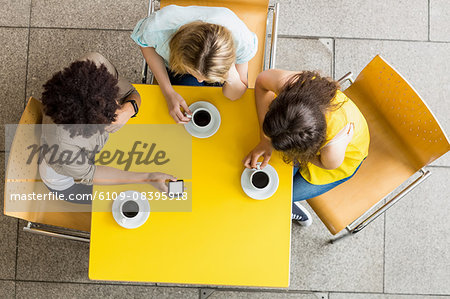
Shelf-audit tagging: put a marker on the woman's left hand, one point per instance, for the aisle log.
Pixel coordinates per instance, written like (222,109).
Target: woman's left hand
(263,149)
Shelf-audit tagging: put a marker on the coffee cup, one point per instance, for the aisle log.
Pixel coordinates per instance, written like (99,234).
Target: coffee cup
(202,118)
(129,209)
(259,180)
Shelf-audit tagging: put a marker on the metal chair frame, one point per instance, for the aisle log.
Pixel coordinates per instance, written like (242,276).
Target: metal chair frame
(56,231)
(374,212)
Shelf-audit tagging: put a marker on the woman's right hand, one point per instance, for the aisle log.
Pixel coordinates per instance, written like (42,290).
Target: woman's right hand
(264,149)
(173,99)
(158,180)
(175,102)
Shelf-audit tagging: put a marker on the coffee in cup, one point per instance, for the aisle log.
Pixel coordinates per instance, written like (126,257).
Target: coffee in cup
(201,118)
(129,209)
(259,179)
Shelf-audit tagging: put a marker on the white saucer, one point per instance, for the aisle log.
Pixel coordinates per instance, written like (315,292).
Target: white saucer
(142,216)
(215,119)
(260,194)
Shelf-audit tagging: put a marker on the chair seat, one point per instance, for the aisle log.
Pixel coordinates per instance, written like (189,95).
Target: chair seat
(378,176)
(23,179)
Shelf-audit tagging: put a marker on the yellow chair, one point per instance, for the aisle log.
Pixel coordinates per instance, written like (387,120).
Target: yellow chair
(255,14)
(405,137)
(23,178)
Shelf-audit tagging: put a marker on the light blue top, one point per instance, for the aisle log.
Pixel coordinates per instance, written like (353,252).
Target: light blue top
(156,30)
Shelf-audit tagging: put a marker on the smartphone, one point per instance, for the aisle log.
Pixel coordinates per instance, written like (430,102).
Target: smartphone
(176,188)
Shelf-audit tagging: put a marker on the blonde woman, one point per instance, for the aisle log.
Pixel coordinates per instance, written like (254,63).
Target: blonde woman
(196,45)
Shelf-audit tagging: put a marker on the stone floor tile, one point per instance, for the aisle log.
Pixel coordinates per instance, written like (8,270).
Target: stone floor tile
(439,20)
(305,54)
(382,19)
(353,264)
(102,14)
(47,290)
(46,258)
(13,64)
(260,295)
(417,239)
(380,296)
(46,56)
(7,289)
(8,235)
(15,13)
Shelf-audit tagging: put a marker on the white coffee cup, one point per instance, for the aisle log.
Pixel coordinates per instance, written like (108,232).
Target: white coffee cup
(202,118)
(259,179)
(129,209)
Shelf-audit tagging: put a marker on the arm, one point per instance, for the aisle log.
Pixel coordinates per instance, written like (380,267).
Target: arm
(174,100)
(268,84)
(87,173)
(331,156)
(125,112)
(237,82)
(133,96)
(105,175)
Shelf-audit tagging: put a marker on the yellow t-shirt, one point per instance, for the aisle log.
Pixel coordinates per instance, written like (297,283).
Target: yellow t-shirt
(357,149)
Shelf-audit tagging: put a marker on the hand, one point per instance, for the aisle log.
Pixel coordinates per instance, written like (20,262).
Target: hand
(124,113)
(264,149)
(158,180)
(174,102)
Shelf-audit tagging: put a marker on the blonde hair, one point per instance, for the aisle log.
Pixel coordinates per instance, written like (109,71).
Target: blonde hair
(202,48)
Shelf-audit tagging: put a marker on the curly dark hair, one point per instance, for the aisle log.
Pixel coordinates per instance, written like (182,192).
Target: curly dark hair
(295,122)
(81,94)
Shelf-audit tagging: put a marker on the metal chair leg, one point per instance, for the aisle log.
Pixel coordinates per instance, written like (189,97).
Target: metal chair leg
(346,77)
(58,232)
(273,44)
(275,10)
(144,72)
(346,233)
(151,9)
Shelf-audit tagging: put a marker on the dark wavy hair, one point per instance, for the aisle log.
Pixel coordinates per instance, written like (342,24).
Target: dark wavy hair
(295,122)
(80,95)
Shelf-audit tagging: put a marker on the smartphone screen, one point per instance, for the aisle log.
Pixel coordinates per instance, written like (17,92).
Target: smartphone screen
(176,188)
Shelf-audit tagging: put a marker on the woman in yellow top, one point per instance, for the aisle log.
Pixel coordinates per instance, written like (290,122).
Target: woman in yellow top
(315,126)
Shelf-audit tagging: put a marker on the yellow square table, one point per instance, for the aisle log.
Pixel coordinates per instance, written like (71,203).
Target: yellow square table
(227,238)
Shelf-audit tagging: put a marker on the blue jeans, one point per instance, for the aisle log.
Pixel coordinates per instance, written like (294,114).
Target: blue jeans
(187,80)
(303,190)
